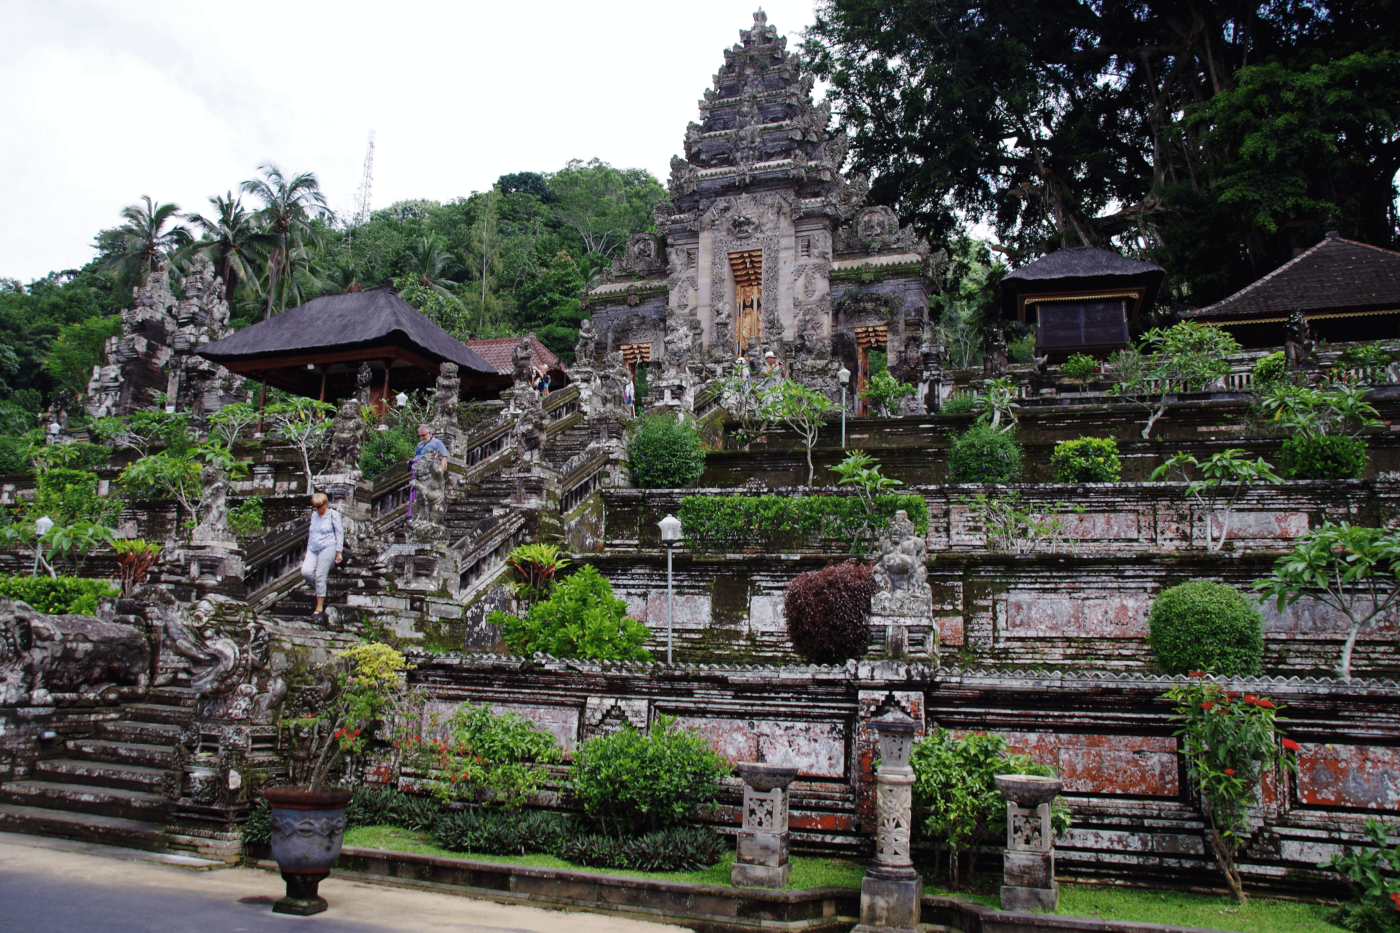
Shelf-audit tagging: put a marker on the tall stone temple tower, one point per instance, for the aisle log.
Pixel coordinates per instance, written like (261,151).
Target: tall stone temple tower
(763,245)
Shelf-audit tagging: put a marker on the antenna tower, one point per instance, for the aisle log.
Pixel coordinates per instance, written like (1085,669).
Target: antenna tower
(362,196)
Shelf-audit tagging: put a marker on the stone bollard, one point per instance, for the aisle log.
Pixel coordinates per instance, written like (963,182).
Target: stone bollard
(1028,880)
(891,891)
(762,857)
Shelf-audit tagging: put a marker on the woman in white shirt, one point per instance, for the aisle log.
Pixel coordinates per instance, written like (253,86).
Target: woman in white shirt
(323,547)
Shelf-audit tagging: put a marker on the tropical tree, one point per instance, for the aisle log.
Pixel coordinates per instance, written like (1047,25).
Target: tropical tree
(305,424)
(482,258)
(428,264)
(289,206)
(801,409)
(1184,358)
(77,350)
(146,239)
(232,240)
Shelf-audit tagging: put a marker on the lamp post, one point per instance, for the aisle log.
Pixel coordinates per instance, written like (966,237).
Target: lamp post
(43,526)
(670,536)
(845,376)
(401,399)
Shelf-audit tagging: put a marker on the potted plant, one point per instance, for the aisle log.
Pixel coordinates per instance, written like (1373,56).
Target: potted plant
(308,821)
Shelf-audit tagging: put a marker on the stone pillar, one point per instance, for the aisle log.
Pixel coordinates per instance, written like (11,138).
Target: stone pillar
(1028,879)
(762,857)
(891,891)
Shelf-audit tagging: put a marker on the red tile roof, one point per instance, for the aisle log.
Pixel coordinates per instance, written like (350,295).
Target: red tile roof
(500,353)
(1336,274)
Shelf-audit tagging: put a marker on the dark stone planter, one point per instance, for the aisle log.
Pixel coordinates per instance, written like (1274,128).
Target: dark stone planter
(308,828)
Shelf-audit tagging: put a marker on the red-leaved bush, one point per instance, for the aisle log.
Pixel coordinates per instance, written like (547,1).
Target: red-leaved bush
(826,612)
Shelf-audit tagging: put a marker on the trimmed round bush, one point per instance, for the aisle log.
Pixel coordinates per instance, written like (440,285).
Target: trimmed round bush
(960,405)
(826,612)
(1270,369)
(1205,626)
(1086,460)
(1323,456)
(665,454)
(983,454)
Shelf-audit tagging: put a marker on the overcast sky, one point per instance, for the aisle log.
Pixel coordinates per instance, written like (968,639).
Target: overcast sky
(102,102)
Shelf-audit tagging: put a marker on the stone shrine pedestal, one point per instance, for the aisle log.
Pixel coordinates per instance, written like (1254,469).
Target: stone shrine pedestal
(1028,879)
(762,857)
(891,893)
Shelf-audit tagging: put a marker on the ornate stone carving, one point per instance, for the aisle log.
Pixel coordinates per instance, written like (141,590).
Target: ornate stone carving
(522,367)
(645,255)
(902,607)
(347,439)
(993,352)
(431,487)
(587,343)
(363,377)
(213,508)
(901,567)
(48,660)
(1298,344)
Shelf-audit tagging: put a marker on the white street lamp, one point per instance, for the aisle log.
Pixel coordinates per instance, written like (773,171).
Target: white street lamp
(401,400)
(43,526)
(845,376)
(670,536)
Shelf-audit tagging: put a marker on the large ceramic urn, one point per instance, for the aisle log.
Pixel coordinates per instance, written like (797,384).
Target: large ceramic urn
(308,828)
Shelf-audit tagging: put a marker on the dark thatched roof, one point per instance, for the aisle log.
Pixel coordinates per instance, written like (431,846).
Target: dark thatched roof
(1081,268)
(352,321)
(1336,275)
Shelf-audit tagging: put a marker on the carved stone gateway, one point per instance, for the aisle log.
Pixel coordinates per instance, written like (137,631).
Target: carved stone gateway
(891,891)
(762,857)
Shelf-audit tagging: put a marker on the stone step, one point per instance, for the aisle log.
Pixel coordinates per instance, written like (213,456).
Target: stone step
(159,712)
(142,733)
(101,774)
(173,696)
(122,753)
(107,830)
(83,798)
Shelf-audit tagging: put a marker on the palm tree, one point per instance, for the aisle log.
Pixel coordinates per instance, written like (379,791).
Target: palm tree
(232,239)
(428,262)
(144,241)
(288,208)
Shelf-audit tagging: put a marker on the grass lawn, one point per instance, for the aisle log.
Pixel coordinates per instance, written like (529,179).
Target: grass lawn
(807,872)
(1144,905)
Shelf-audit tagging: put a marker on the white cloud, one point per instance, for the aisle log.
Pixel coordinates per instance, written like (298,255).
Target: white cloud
(106,101)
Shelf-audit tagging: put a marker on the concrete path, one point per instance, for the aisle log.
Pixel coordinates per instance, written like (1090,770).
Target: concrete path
(55,886)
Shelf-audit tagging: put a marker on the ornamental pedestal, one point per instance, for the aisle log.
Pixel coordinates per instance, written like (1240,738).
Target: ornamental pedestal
(891,891)
(762,857)
(1028,879)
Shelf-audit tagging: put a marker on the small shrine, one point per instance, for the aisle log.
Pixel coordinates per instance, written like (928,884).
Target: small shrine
(1080,300)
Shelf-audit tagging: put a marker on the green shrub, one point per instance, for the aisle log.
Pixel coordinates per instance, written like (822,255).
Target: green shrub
(963,404)
(257,829)
(378,806)
(1207,626)
(1323,456)
(884,393)
(665,453)
(1270,369)
(384,449)
(1079,367)
(955,787)
(581,619)
(1086,460)
(14,454)
(246,521)
(69,496)
(827,610)
(72,455)
(57,595)
(776,523)
(481,756)
(982,454)
(1372,872)
(645,781)
(687,848)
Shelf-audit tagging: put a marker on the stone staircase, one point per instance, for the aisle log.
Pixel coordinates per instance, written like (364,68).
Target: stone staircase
(107,788)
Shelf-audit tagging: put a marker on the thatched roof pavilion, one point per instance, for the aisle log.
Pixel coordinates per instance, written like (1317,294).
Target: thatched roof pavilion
(1347,290)
(1080,298)
(316,349)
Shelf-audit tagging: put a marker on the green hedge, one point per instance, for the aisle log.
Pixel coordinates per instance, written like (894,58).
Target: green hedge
(57,595)
(1202,625)
(785,522)
(1086,460)
(1325,456)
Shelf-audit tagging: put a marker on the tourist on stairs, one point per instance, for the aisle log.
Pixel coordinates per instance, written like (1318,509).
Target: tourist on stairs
(323,547)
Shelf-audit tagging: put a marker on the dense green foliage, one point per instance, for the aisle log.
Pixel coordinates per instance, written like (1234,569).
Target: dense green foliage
(664,453)
(1086,460)
(1079,367)
(982,454)
(383,449)
(1270,369)
(960,404)
(1373,874)
(635,780)
(581,619)
(56,594)
(68,496)
(776,523)
(246,520)
(1324,456)
(1202,625)
(955,789)
(480,756)
(1212,140)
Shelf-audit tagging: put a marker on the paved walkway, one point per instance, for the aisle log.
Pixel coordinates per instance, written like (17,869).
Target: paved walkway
(56,886)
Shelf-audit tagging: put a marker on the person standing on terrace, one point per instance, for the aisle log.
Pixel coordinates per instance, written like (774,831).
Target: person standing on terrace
(426,442)
(323,547)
